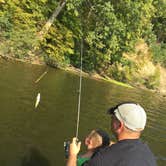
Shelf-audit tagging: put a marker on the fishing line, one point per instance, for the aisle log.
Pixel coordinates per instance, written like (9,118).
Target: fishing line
(80,89)
(38,95)
(41,76)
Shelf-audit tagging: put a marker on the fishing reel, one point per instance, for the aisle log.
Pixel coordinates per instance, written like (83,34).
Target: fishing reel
(66,148)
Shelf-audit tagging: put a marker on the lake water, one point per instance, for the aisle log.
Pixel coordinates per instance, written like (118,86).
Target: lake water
(34,137)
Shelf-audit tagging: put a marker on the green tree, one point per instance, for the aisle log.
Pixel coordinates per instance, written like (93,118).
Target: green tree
(159,20)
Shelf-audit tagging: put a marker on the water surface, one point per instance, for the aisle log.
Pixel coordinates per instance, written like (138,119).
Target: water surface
(35,137)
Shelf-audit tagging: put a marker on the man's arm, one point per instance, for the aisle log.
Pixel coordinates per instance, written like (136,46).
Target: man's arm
(72,160)
(73,151)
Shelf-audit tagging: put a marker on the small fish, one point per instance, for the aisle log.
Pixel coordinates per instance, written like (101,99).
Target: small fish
(37,100)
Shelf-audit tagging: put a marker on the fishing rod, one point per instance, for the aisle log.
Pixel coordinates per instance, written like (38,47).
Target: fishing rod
(80,90)
(67,143)
(80,78)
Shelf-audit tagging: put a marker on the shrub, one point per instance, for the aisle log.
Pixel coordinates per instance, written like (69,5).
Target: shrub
(159,53)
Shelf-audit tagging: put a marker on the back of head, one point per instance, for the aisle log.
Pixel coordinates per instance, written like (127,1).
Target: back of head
(105,137)
(97,138)
(131,114)
(104,140)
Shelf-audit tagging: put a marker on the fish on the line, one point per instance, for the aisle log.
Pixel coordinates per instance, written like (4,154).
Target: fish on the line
(37,100)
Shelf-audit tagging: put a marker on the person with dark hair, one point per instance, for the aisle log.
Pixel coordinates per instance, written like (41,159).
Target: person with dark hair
(94,141)
(128,120)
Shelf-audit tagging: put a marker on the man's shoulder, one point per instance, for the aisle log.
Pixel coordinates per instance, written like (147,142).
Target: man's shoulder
(105,156)
(124,153)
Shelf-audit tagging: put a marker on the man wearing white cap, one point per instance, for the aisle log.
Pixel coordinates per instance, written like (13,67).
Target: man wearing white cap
(128,121)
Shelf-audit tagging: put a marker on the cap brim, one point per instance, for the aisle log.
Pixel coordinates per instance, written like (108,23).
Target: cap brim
(111,110)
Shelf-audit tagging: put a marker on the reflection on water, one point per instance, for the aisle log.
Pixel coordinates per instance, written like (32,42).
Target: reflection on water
(35,158)
(35,137)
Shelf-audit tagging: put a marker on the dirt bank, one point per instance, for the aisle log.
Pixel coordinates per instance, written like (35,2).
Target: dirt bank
(32,60)
(162,86)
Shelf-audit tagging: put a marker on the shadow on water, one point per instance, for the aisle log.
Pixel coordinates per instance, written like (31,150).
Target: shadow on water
(34,158)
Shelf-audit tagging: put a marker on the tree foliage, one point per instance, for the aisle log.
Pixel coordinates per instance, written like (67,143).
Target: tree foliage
(108,29)
(159,20)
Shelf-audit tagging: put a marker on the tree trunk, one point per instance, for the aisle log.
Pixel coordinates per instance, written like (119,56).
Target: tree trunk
(50,21)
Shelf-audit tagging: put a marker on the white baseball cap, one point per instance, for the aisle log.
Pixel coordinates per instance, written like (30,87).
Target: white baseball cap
(132,115)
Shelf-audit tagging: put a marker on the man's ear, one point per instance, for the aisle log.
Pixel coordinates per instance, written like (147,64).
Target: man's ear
(90,141)
(120,126)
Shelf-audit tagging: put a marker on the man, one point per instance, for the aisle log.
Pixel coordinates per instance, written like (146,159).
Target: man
(128,121)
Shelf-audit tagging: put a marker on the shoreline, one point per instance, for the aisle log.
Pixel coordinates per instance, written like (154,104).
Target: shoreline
(72,69)
(33,60)
(95,76)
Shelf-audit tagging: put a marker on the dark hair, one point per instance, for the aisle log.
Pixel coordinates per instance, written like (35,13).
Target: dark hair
(105,137)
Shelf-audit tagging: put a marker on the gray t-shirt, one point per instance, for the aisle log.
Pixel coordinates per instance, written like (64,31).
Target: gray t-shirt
(129,152)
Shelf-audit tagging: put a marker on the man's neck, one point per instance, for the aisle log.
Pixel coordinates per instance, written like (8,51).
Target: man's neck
(124,136)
